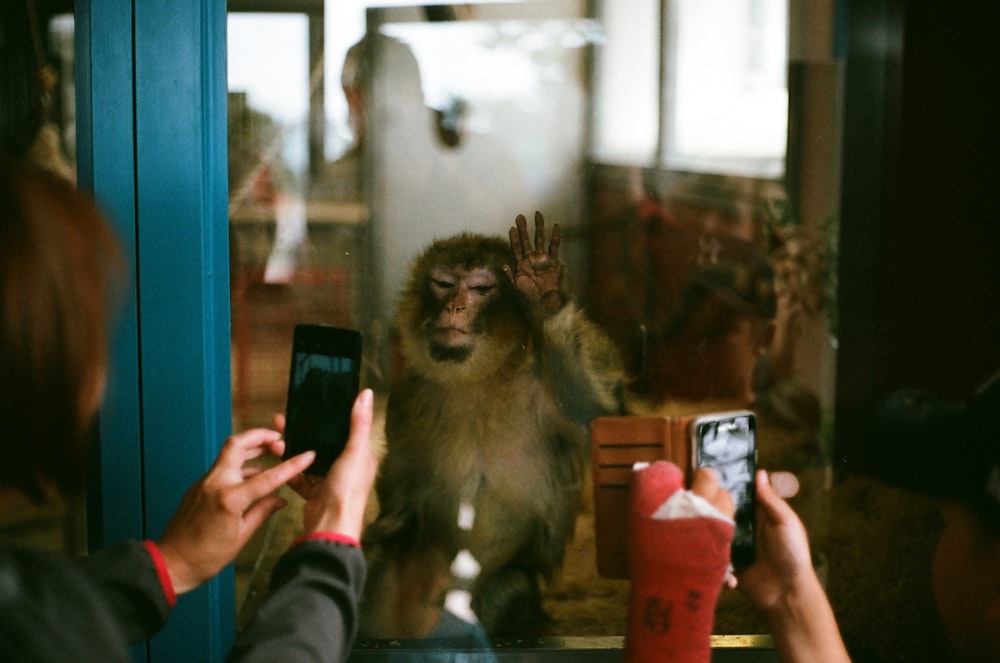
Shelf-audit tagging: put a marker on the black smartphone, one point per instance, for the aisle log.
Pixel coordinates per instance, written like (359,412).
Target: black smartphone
(727,442)
(322,385)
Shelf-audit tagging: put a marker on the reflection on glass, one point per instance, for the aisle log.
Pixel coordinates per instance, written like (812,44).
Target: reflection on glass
(458,126)
(729,98)
(679,236)
(472,122)
(690,270)
(296,236)
(707,95)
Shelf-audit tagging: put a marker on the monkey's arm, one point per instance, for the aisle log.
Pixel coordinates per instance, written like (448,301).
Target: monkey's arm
(582,366)
(405,473)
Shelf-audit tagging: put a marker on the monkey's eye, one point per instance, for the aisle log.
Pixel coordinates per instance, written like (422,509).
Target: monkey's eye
(444,285)
(481,281)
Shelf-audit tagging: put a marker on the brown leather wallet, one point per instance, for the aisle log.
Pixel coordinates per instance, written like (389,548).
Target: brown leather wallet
(617,443)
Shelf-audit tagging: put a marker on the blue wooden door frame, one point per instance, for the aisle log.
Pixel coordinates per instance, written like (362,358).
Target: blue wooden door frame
(151,113)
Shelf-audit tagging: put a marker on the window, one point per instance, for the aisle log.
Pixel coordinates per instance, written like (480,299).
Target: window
(719,68)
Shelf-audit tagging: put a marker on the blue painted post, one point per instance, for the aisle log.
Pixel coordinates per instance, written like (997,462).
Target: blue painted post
(161,174)
(183,270)
(106,166)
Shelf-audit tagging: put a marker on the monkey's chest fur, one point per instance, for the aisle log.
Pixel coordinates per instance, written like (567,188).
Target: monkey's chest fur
(505,448)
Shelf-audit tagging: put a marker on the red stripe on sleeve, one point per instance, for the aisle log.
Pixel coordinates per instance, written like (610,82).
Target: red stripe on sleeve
(162,573)
(336,537)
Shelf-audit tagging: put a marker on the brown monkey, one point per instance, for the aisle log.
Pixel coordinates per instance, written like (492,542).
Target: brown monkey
(502,375)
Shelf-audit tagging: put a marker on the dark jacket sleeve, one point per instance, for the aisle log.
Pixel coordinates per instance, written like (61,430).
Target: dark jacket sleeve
(310,613)
(50,611)
(129,583)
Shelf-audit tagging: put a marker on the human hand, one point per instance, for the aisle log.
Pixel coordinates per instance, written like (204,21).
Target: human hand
(706,484)
(784,585)
(782,561)
(223,509)
(537,274)
(336,503)
(678,553)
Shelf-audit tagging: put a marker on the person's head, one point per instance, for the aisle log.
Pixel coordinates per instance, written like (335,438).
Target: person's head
(58,261)
(386,62)
(352,82)
(712,316)
(951,451)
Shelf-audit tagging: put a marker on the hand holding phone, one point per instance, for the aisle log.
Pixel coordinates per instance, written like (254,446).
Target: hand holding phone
(724,441)
(323,382)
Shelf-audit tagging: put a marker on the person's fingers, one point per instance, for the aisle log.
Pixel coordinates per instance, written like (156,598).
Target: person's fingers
(765,491)
(276,446)
(258,514)
(361,421)
(337,503)
(773,505)
(706,483)
(264,449)
(249,471)
(705,480)
(785,484)
(278,421)
(245,446)
(270,480)
(302,484)
(723,501)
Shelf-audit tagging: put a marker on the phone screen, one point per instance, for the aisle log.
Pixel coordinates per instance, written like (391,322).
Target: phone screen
(727,444)
(322,385)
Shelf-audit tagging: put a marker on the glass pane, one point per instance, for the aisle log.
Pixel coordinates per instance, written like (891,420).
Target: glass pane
(292,255)
(453,126)
(449,126)
(387,129)
(351,153)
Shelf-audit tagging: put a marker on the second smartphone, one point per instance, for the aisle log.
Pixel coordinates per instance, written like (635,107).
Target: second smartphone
(727,442)
(322,384)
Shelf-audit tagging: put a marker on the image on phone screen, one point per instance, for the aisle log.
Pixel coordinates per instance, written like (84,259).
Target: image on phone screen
(727,444)
(323,383)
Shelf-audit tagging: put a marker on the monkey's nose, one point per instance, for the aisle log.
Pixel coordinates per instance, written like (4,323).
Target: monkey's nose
(459,301)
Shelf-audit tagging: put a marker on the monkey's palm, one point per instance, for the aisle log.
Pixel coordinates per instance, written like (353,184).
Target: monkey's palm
(536,275)
(539,273)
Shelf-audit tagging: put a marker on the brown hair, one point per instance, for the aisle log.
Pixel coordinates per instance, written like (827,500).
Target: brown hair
(58,261)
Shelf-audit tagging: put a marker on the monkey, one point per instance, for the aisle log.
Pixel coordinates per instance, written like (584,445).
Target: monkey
(502,375)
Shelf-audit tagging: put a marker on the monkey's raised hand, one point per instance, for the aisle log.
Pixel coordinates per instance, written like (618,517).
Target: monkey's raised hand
(539,273)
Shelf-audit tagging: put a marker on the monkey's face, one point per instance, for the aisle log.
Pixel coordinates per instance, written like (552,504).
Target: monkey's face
(458,296)
(460,319)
